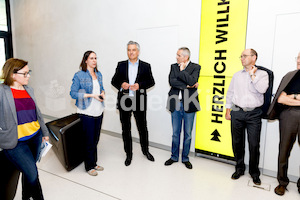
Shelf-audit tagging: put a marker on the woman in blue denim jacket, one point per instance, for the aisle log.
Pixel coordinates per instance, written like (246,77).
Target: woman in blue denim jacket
(87,89)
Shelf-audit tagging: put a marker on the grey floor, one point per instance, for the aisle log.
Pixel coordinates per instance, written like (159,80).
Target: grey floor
(208,180)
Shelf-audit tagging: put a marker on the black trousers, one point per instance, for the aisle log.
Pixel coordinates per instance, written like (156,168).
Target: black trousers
(289,122)
(91,129)
(250,121)
(141,122)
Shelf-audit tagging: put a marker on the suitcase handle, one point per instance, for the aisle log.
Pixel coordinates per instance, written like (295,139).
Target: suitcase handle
(55,137)
(62,130)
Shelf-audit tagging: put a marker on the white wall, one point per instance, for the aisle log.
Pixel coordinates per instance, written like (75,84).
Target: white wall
(53,35)
(273,31)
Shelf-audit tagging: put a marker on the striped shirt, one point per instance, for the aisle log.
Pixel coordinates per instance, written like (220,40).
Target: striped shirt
(28,124)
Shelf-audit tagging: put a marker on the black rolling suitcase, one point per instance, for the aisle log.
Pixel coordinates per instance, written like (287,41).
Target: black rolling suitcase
(9,178)
(66,136)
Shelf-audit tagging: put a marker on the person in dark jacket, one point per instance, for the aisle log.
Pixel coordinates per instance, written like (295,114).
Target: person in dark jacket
(183,103)
(132,79)
(286,108)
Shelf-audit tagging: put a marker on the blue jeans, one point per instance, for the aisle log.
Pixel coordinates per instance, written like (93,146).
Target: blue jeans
(188,121)
(24,157)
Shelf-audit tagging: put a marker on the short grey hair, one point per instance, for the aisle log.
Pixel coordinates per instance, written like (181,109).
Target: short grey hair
(135,43)
(185,51)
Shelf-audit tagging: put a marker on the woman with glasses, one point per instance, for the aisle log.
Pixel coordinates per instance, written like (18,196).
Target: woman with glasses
(88,90)
(22,128)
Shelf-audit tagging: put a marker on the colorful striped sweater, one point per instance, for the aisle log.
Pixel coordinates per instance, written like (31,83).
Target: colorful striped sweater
(28,124)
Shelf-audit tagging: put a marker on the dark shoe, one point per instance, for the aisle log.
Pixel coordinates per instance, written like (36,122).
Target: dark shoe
(256,180)
(299,190)
(169,162)
(237,175)
(127,161)
(149,156)
(280,190)
(188,164)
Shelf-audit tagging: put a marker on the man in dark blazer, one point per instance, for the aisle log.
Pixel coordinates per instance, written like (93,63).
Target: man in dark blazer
(132,78)
(286,108)
(183,103)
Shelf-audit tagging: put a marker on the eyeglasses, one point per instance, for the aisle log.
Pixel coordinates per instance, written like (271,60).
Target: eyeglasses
(244,56)
(297,58)
(25,74)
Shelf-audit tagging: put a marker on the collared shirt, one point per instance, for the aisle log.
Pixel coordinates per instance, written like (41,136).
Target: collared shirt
(180,93)
(246,93)
(132,74)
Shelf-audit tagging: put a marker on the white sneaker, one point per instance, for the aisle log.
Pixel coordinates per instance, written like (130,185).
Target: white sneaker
(92,172)
(99,168)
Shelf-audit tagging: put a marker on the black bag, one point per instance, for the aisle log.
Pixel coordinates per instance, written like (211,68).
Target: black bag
(9,178)
(268,93)
(66,136)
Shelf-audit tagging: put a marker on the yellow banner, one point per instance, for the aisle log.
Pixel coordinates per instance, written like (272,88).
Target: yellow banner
(222,39)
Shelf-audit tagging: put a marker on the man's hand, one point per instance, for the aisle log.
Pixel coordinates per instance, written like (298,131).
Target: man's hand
(227,115)
(194,86)
(253,70)
(289,100)
(182,66)
(125,86)
(134,87)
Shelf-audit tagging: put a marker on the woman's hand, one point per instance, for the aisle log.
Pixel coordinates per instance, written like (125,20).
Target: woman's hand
(100,97)
(96,96)
(45,139)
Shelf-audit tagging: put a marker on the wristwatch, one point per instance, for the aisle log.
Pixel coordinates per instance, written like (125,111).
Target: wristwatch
(295,96)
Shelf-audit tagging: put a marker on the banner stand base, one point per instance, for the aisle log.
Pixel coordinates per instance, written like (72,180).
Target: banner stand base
(214,156)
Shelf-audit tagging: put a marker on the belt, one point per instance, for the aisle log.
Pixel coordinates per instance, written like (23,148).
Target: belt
(247,109)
